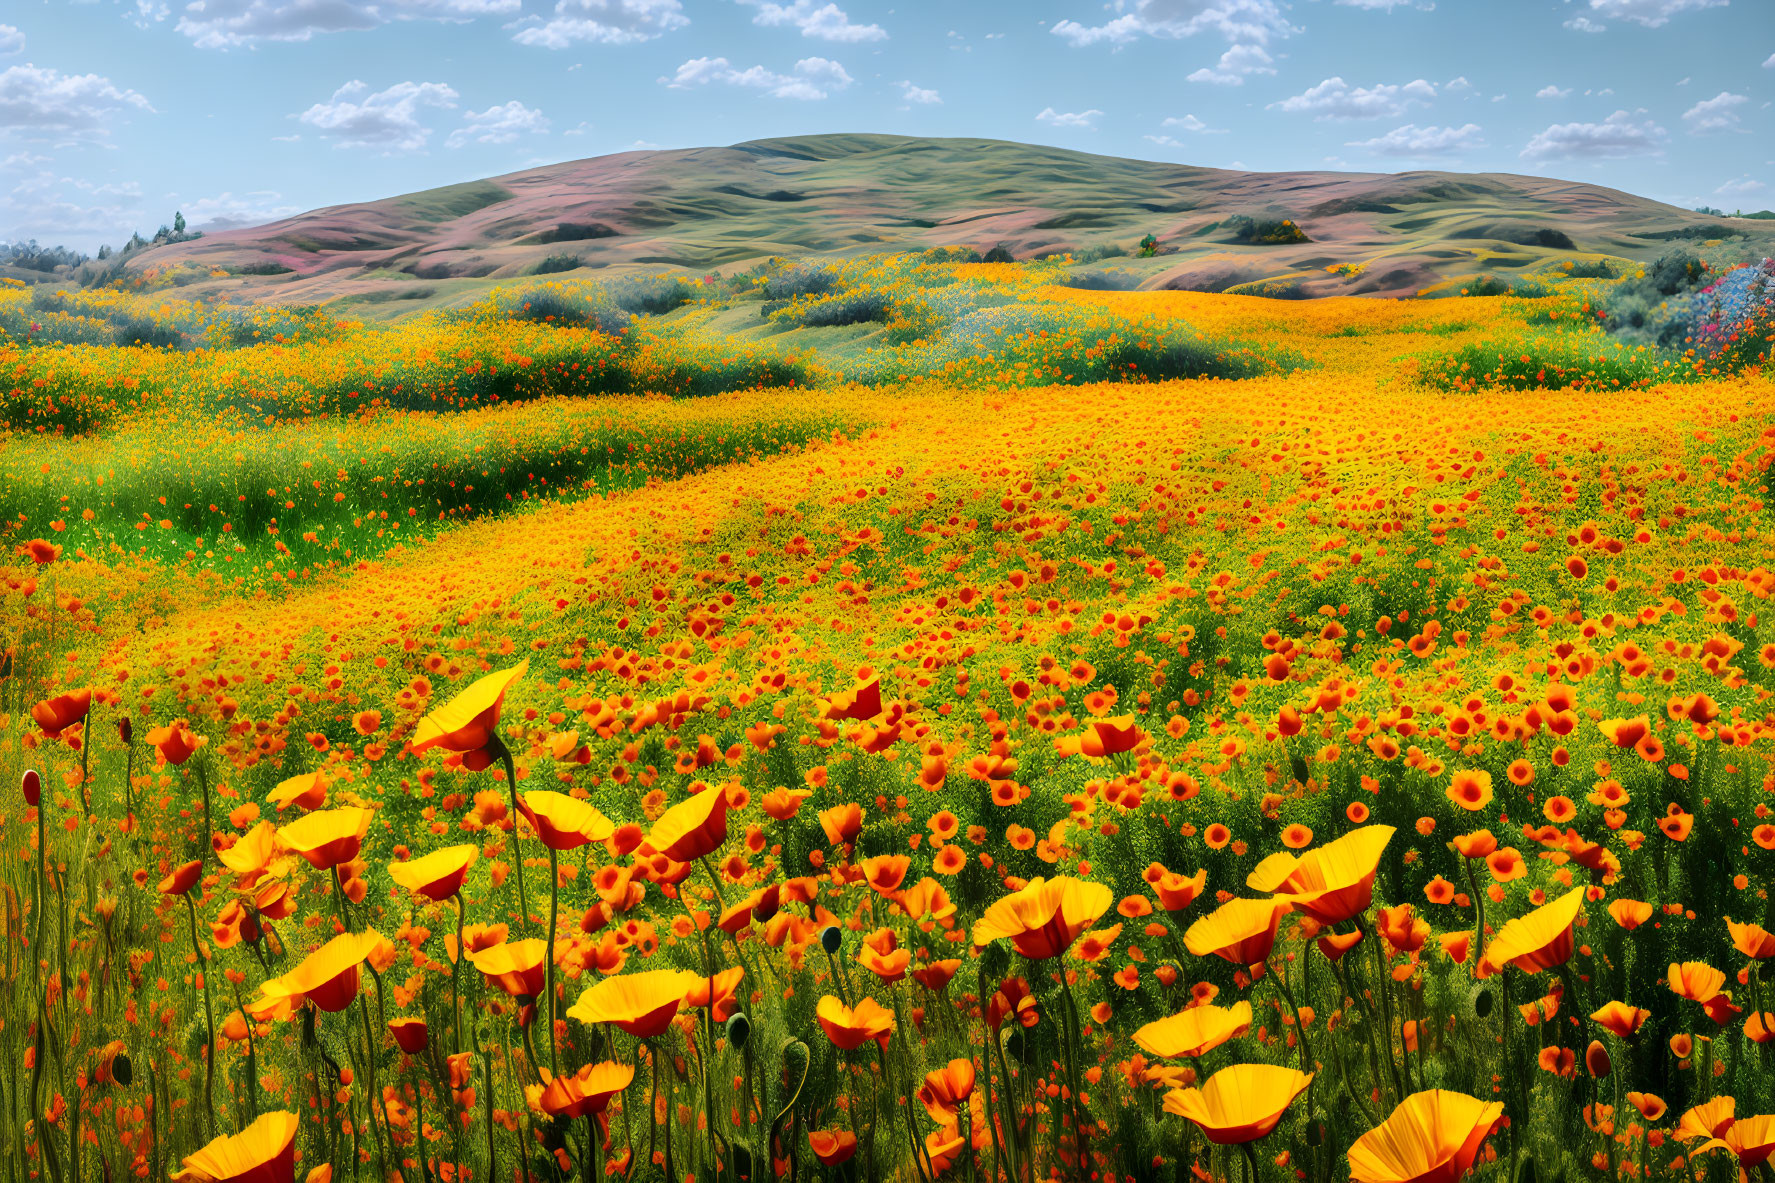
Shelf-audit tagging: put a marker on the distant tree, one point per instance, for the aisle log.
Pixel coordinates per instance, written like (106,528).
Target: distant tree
(999,254)
(178,222)
(1149,246)
(104,253)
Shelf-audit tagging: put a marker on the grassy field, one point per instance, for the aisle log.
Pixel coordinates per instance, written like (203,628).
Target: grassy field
(917,719)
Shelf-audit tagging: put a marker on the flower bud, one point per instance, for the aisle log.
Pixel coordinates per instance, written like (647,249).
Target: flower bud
(1596,1058)
(33,786)
(125,730)
(739,1027)
(831,939)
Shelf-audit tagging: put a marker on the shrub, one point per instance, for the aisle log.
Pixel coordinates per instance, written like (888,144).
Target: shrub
(1252,232)
(142,331)
(999,254)
(554,264)
(651,295)
(801,279)
(857,306)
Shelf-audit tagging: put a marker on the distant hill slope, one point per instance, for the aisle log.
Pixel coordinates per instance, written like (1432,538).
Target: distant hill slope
(705,208)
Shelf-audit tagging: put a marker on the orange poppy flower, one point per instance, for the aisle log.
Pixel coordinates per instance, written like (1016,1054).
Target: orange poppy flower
(1470,789)
(438,875)
(563,822)
(469,722)
(1540,940)
(589,1091)
(692,828)
(327,977)
(724,984)
(264,1152)
(1240,931)
(849,1028)
(842,823)
(1650,1105)
(1709,1119)
(1506,865)
(783,804)
(327,837)
(944,1089)
(1695,980)
(307,791)
(175,742)
(1217,836)
(410,1035)
(517,967)
(1621,1020)
(1296,836)
(860,703)
(937,974)
(1629,914)
(1330,884)
(1194,1031)
(885,872)
(832,1147)
(1626,733)
(183,879)
(1476,845)
(1044,919)
(1439,891)
(1335,945)
(1177,892)
(1676,825)
(641,1004)
(1752,940)
(882,956)
(1241,1103)
(57,714)
(1430,1137)
(1752,1139)
(1111,737)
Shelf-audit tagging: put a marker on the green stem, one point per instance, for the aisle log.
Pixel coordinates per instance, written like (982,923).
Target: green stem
(511,780)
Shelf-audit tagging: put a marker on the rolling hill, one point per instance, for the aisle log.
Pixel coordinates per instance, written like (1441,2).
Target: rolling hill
(702,209)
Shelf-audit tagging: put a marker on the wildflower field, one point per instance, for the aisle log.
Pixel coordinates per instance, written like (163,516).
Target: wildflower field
(905,719)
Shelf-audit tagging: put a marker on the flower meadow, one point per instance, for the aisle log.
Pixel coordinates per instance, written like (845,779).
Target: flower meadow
(942,754)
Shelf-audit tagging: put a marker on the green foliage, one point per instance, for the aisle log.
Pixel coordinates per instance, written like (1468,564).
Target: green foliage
(1242,228)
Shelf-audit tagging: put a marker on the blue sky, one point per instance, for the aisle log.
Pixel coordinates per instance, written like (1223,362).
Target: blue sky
(114,113)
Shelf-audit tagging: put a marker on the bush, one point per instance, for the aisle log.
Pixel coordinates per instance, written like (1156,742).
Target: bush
(564,305)
(141,331)
(651,295)
(1552,360)
(801,279)
(554,264)
(857,306)
(999,254)
(1252,232)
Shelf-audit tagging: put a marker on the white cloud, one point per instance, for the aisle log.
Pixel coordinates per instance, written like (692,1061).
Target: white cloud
(1716,114)
(1234,64)
(387,119)
(812,78)
(231,24)
(1458,85)
(498,125)
(1383,5)
(225,211)
(1553,92)
(1412,140)
(918,94)
(1335,99)
(604,22)
(1244,21)
(1617,136)
(1191,124)
(1650,13)
(1743,187)
(38,101)
(1770,64)
(11,41)
(1583,24)
(827,22)
(1055,118)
